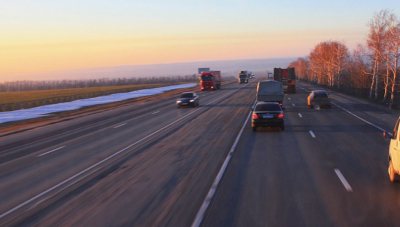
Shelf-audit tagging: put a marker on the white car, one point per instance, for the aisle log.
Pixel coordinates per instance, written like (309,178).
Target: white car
(394,152)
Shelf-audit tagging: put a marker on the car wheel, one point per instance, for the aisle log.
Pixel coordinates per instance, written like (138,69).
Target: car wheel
(282,127)
(392,174)
(329,106)
(254,128)
(312,106)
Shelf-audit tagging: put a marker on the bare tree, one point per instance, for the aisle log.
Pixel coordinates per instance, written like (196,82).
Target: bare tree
(375,43)
(340,60)
(359,78)
(327,61)
(302,66)
(393,36)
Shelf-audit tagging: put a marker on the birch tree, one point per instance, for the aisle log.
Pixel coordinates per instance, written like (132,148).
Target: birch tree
(375,43)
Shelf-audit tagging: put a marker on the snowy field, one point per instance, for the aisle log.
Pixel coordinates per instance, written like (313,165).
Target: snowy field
(41,111)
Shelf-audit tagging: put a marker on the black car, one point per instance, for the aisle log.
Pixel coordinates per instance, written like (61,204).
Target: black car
(188,99)
(267,114)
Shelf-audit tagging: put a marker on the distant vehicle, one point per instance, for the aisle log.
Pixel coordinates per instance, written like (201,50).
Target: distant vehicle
(210,80)
(188,99)
(287,77)
(270,91)
(320,98)
(394,152)
(243,76)
(267,114)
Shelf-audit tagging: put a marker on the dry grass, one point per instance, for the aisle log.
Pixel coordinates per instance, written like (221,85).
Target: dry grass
(13,97)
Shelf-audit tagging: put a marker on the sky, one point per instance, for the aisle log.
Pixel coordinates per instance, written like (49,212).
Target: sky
(50,35)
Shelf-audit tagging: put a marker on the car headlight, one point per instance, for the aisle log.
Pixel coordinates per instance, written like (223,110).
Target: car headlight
(179,101)
(192,100)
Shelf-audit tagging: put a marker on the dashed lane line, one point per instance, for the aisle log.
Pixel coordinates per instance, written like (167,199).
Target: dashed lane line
(71,180)
(343,180)
(51,151)
(120,125)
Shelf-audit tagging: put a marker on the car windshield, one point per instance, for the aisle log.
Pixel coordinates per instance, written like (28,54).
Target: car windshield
(268,107)
(187,95)
(206,78)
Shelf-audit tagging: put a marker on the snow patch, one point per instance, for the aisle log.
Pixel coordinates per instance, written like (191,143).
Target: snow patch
(41,111)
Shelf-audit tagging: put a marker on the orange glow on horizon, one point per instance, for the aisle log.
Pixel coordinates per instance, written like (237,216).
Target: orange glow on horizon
(40,56)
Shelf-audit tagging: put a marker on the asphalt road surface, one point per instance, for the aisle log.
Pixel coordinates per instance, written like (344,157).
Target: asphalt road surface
(153,164)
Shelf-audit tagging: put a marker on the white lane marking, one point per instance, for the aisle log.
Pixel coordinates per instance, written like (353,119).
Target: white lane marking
(51,151)
(343,180)
(359,117)
(106,159)
(211,192)
(300,115)
(293,104)
(120,125)
(312,134)
(288,98)
(303,88)
(156,112)
(344,109)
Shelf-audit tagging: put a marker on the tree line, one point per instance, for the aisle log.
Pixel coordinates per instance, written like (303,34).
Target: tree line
(28,85)
(371,70)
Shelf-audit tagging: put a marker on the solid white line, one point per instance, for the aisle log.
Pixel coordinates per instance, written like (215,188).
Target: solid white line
(300,115)
(156,112)
(106,159)
(303,88)
(312,134)
(359,117)
(120,125)
(343,180)
(210,194)
(344,109)
(51,151)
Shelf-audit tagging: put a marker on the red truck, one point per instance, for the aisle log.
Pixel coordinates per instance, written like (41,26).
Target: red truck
(287,77)
(210,80)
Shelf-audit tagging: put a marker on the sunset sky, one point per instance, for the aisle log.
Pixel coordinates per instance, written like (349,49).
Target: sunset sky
(49,35)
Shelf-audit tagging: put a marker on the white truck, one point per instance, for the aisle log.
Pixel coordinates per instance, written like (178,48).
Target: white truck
(394,152)
(243,77)
(270,91)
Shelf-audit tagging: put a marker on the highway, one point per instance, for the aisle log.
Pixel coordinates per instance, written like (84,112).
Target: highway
(152,164)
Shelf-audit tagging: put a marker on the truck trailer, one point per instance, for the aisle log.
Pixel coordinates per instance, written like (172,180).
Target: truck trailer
(210,80)
(287,77)
(270,91)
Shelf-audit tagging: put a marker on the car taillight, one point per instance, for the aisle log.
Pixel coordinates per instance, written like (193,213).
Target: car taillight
(255,116)
(280,115)
(280,104)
